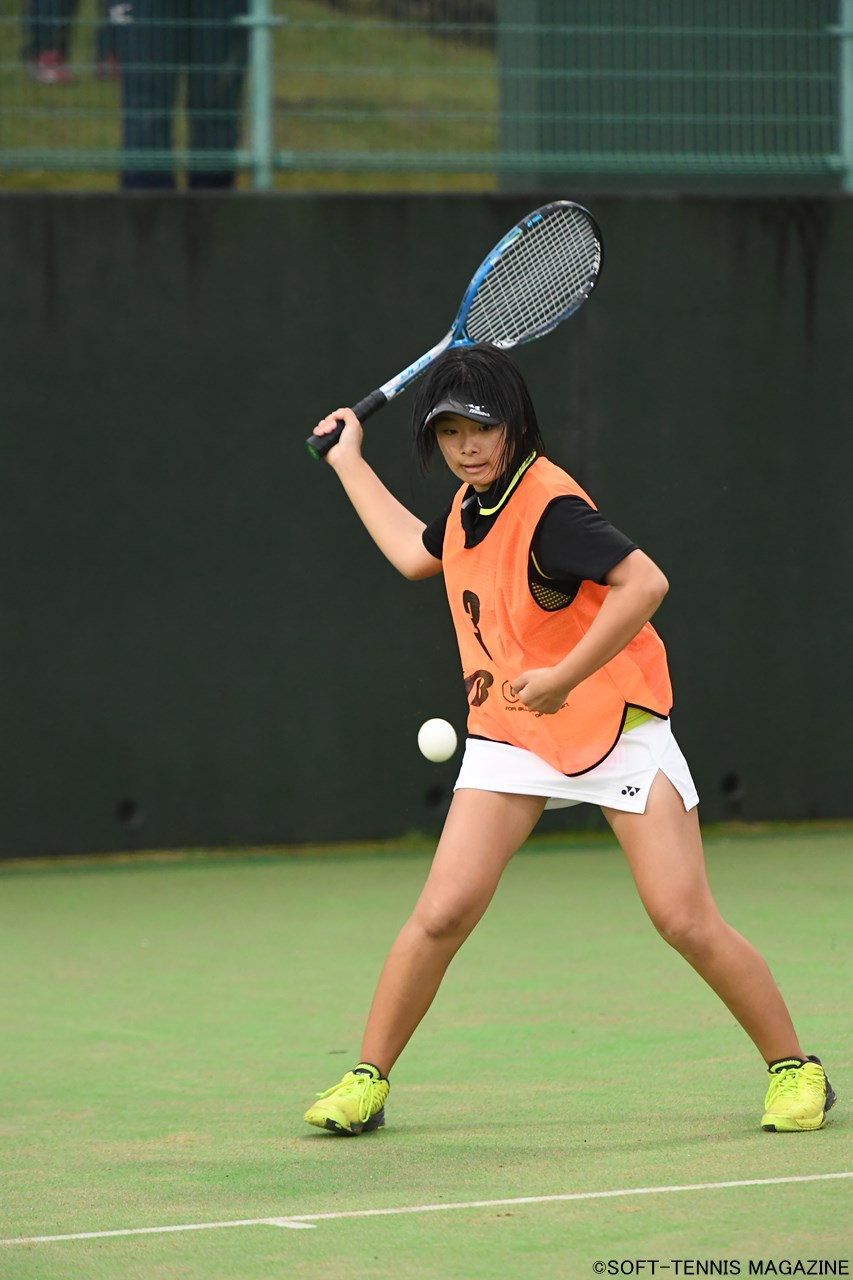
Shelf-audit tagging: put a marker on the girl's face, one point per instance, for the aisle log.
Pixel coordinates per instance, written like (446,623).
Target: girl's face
(472,450)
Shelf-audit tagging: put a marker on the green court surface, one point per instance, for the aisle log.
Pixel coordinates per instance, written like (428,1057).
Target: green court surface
(166,1021)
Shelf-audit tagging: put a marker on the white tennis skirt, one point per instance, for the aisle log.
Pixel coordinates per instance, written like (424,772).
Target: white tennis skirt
(622,781)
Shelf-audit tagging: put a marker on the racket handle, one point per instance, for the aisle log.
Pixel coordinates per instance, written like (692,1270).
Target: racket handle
(319,446)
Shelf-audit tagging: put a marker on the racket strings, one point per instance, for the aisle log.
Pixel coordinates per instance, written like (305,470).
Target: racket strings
(544,275)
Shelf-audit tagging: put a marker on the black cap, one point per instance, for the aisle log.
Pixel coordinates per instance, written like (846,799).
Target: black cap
(475,412)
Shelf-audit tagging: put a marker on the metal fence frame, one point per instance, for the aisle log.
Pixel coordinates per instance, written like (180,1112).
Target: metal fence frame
(262,159)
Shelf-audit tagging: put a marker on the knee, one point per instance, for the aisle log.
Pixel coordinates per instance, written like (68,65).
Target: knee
(687,931)
(446,921)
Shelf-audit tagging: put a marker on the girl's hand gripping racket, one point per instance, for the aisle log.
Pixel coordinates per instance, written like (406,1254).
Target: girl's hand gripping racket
(538,275)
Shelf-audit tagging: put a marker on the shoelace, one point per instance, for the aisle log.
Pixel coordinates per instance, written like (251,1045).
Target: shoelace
(360,1086)
(788,1082)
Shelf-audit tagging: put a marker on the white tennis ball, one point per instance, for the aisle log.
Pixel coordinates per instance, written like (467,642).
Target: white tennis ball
(437,740)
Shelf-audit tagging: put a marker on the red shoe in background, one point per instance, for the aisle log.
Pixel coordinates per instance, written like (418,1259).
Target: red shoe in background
(50,68)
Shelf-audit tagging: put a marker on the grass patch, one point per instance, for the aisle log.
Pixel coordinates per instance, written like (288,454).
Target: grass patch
(164,1029)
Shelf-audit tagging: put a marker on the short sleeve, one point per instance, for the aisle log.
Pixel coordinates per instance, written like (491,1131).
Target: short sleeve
(433,534)
(572,540)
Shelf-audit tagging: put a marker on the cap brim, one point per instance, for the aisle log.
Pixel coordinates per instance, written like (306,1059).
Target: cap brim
(474,412)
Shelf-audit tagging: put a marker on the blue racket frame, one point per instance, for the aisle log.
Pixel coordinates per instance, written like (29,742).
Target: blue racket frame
(457,335)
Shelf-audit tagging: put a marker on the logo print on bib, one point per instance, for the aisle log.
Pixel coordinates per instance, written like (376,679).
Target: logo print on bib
(477,687)
(471,605)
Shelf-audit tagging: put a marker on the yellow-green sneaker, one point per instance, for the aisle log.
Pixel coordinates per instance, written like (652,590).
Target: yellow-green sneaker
(798,1097)
(355,1105)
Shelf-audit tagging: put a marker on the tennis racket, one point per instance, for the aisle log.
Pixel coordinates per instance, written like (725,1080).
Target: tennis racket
(540,273)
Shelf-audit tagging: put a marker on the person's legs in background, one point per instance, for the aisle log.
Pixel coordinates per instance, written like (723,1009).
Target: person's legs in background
(218,51)
(48,39)
(152,52)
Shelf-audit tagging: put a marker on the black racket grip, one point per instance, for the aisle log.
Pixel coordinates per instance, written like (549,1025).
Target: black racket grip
(319,446)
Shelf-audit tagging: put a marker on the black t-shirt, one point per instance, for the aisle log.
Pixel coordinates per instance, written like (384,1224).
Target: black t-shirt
(572,540)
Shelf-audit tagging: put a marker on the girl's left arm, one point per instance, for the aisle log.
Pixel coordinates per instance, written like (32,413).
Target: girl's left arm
(637,587)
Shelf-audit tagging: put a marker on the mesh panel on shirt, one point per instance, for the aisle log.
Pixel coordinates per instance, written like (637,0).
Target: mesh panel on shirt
(548,598)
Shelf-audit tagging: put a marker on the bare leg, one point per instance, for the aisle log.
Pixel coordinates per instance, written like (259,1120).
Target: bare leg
(482,832)
(663,847)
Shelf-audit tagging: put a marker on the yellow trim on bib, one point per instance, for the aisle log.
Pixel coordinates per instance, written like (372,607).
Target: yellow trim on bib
(490,511)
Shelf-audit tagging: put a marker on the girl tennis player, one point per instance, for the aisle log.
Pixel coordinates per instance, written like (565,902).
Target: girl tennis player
(569,700)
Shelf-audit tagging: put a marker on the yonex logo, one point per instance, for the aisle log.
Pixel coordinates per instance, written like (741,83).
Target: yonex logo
(631,791)
(478,408)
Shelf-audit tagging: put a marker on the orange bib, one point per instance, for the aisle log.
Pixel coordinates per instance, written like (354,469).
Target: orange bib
(502,631)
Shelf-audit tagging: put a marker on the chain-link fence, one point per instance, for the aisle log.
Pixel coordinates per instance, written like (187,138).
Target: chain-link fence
(427,94)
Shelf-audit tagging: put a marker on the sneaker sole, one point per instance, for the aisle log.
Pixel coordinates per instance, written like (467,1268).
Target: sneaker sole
(375,1122)
(783,1125)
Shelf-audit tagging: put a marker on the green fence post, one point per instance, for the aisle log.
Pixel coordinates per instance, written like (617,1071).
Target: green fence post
(845,96)
(260,20)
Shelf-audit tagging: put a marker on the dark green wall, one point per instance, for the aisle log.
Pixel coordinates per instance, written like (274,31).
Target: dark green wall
(199,644)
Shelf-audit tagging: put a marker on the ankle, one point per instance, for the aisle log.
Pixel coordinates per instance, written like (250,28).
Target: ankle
(788,1057)
(367,1067)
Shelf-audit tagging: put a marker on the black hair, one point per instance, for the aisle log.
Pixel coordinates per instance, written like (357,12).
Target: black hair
(482,375)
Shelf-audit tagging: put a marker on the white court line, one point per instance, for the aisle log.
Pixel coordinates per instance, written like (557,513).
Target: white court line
(297,1220)
(153,1231)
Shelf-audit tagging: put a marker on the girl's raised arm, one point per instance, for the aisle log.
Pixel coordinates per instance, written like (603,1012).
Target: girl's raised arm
(394,529)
